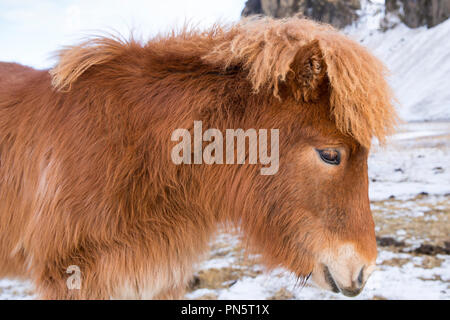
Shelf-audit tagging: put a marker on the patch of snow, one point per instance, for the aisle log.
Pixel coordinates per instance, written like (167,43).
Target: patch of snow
(15,290)
(415,160)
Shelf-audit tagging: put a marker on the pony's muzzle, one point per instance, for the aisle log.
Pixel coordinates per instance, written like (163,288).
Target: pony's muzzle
(351,291)
(344,272)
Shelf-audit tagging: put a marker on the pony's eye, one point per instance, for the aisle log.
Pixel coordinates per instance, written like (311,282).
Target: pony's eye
(330,156)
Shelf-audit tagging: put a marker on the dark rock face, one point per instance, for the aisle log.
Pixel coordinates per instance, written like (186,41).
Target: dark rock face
(417,13)
(338,13)
(252,7)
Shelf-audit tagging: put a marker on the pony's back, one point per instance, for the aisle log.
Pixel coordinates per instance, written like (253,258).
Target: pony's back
(12,75)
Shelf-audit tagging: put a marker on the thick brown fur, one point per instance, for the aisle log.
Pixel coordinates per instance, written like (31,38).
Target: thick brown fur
(85,168)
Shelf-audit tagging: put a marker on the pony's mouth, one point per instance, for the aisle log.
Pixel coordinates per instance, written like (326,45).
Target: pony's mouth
(349,292)
(329,279)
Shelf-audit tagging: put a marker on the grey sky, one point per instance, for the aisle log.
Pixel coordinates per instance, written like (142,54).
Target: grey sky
(31,30)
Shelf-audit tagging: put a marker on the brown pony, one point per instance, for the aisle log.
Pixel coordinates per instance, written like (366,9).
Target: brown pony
(86,176)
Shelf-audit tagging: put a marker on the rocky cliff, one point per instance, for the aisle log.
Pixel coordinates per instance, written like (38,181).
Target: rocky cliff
(339,13)
(417,13)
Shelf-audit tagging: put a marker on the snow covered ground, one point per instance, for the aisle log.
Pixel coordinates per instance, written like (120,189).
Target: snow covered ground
(414,160)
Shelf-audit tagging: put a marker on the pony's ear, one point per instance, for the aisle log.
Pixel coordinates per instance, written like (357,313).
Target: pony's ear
(307,73)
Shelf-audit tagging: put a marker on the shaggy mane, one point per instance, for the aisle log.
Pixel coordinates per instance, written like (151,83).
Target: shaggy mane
(266,48)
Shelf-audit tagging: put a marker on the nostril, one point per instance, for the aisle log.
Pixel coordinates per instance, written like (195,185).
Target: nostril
(361,277)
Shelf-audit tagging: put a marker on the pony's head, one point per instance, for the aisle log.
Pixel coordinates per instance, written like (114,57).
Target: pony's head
(329,99)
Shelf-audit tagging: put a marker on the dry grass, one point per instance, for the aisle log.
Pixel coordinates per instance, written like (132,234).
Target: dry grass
(433,227)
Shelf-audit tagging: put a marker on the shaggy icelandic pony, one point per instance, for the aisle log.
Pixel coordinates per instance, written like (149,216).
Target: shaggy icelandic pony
(86,176)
